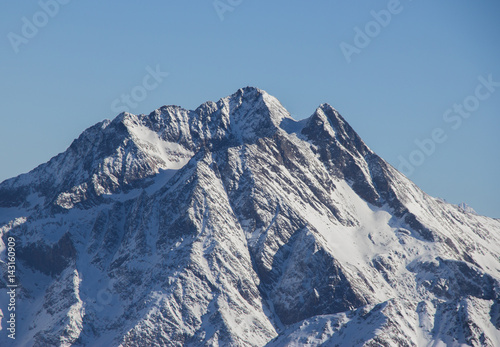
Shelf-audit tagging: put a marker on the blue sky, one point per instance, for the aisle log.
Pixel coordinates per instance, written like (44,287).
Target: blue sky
(64,69)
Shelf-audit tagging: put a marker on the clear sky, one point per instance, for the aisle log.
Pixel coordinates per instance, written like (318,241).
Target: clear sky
(398,71)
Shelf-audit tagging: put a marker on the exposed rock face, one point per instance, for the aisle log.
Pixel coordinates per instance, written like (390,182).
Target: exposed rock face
(234,224)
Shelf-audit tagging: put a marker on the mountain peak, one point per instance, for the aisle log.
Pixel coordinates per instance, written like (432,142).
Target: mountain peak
(250,90)
(466,208)
(250,112)
(330,115)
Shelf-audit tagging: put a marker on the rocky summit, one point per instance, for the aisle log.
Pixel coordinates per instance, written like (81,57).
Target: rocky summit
(236,225)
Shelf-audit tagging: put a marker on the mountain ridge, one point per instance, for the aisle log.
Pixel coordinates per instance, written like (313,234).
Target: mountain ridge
(235,224)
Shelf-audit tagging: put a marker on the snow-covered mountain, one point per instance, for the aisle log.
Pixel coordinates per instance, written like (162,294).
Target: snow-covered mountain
(235,224)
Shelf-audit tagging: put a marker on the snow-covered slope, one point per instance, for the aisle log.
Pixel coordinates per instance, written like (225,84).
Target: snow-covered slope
(234,224)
